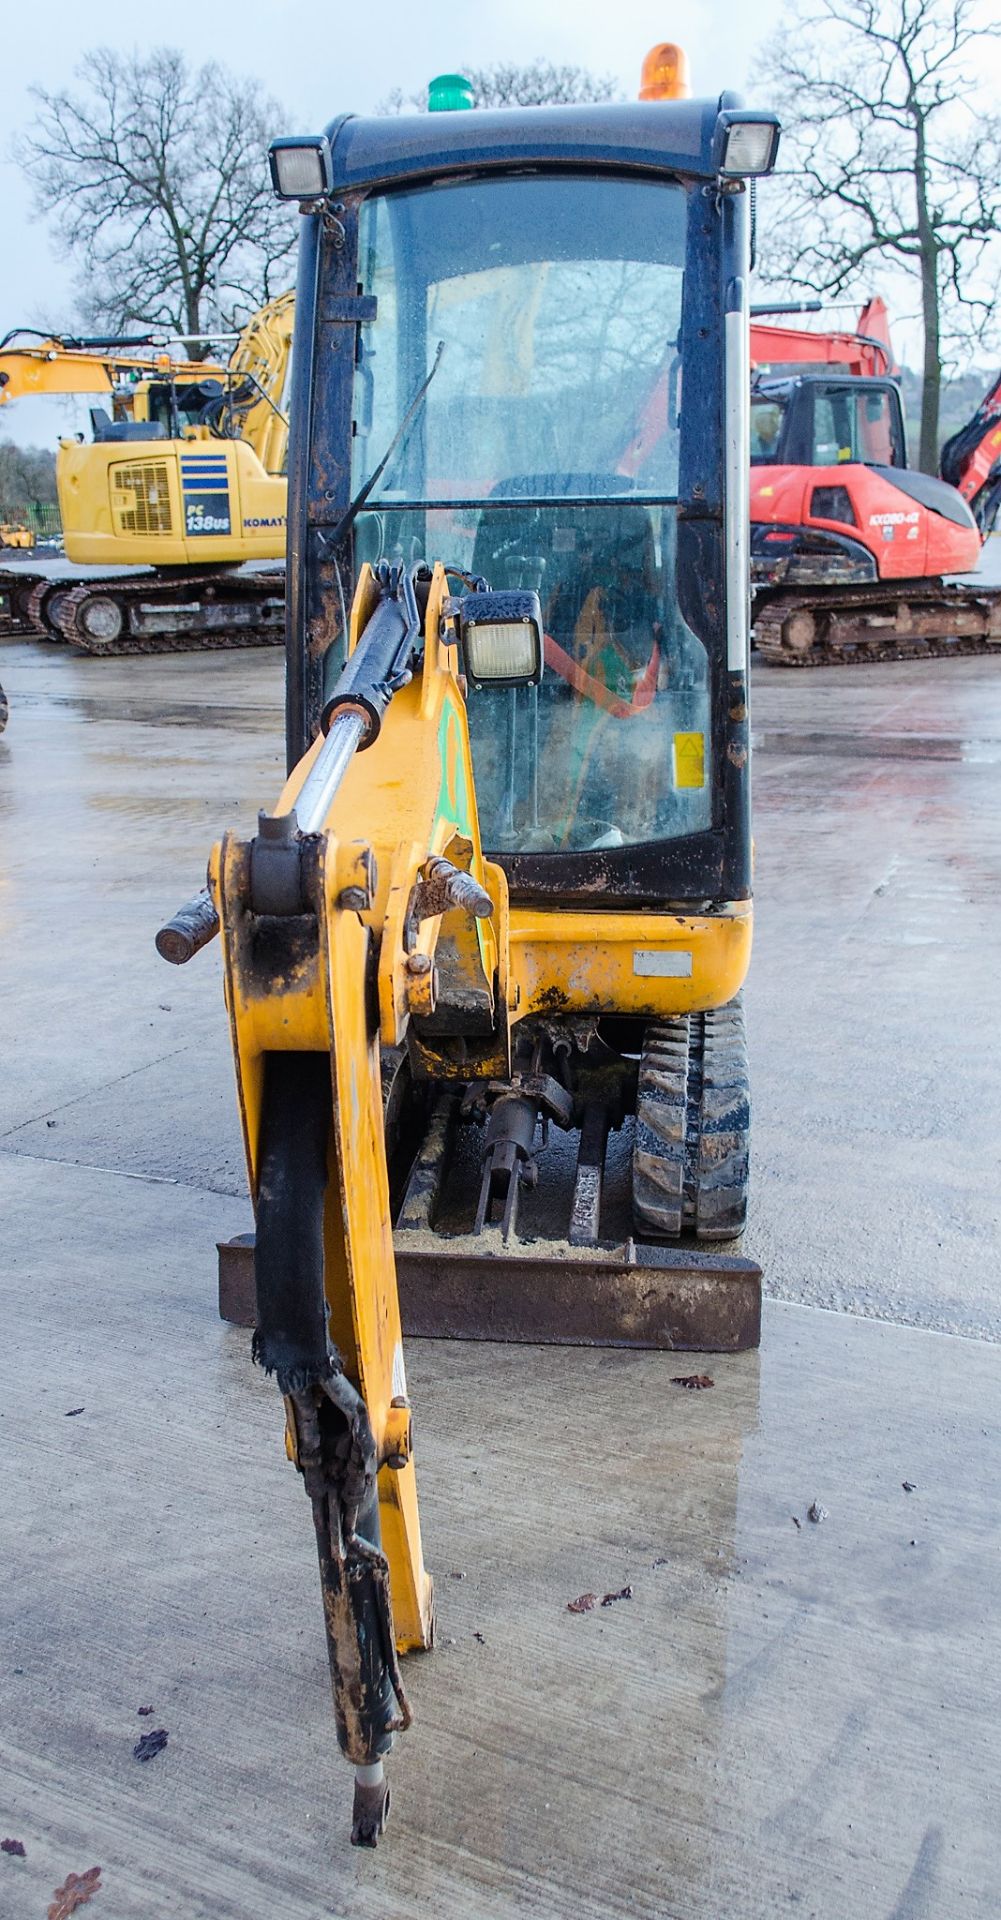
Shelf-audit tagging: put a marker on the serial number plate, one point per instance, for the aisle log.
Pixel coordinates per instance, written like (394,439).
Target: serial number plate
(672,965)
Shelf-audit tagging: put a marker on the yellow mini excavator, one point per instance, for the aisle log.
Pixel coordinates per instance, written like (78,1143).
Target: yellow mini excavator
(483,959)
(173,513)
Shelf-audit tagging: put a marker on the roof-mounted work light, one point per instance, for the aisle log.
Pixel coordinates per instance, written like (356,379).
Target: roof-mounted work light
(500,638)
(744,143)
(301,168)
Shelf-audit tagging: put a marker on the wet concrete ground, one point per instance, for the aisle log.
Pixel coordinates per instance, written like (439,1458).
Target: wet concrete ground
(782,1719)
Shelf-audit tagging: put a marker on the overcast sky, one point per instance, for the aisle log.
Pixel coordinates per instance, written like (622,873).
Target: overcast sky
(317,61)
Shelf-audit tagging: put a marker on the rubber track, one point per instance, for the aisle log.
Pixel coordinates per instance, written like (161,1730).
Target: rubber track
(167,643)
(37,622)
(871,655)
(690,1159)
(872,650)
(64,626)
(13,585)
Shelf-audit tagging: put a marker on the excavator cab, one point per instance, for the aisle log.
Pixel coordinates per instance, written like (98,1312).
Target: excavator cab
(483,960)
(535,278)
(814,420)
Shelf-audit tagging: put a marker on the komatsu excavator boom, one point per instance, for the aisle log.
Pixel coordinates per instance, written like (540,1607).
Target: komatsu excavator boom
(501,910)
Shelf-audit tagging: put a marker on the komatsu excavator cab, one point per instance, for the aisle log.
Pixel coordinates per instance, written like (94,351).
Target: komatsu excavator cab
(483,961)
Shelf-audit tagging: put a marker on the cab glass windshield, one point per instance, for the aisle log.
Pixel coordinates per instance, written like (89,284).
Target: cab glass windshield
(767,416)
(853,426)
(545,315)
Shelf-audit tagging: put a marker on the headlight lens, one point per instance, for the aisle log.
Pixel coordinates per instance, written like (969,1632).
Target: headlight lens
(301,169)
(501,638)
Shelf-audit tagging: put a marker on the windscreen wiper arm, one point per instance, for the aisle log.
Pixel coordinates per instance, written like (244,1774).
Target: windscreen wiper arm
(351,513)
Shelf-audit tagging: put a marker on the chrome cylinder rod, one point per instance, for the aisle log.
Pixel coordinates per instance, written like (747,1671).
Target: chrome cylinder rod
(318,790)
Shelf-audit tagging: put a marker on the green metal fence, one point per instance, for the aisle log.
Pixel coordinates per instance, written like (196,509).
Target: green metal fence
(41,517)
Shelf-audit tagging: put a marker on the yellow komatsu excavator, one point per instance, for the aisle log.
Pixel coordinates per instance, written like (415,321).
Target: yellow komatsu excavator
(483,959)
(184,475)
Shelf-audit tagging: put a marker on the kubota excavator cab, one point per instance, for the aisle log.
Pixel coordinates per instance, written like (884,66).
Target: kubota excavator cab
(833,501)
(854,555)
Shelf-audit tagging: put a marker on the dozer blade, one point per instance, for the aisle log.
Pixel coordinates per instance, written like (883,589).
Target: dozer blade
(548,1293)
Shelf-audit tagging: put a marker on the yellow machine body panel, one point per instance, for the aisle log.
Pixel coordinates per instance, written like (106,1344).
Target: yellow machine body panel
(643,963)
(168,503)
(567,961)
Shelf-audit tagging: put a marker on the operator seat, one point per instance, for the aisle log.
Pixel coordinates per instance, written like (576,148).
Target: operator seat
(594,560)
(104,427)
(595,569)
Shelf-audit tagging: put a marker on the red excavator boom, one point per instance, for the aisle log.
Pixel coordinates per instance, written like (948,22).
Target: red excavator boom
(971,460)
(866,351)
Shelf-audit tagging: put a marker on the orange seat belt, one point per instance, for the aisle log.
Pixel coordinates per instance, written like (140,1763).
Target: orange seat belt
(584,683)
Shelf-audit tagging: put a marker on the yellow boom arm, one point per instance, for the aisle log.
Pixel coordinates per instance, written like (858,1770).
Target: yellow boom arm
(47,367)
(331,945)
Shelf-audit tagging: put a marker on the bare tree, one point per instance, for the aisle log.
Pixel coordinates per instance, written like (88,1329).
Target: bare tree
(539,84)
(156,179)
(887,162)
(27,474)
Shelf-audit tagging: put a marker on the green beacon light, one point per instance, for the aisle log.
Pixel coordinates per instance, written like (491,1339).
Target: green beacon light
(449,93)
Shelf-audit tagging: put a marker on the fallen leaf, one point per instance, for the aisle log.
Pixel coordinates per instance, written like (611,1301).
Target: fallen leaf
(75,1892)
(624,1593)
(693,1381)
(817,1513)
(150,1744)
(909,1486)
(583,1603)
(144,1712)
(16,1847)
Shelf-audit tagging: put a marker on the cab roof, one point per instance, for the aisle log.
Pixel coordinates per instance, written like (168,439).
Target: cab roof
(661,136)
(776,386)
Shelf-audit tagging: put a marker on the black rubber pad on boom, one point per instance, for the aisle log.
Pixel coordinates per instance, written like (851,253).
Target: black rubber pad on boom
(291,1338)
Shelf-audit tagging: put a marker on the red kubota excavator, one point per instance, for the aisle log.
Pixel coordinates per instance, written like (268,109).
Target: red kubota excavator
(854,554)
